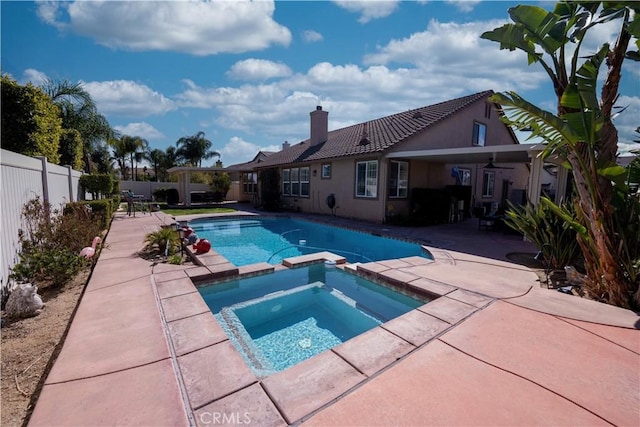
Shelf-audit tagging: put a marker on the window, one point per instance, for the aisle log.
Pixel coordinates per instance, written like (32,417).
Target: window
(326,171)
(250,183)
(488,182)
(367,179)
(286,182)
(304,181)
(295,182)
(398,179)
(465,176)
(479,133)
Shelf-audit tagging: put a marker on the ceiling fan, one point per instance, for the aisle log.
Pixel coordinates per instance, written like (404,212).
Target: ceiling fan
(490,165)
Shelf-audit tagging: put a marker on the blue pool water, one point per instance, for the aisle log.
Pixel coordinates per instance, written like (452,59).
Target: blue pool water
(280,319)
(250,241)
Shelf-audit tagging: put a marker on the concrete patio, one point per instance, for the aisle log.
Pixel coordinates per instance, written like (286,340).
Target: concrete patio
(494,349)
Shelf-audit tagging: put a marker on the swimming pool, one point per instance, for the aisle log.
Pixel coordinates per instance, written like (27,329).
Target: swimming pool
(280,319)
(250,241)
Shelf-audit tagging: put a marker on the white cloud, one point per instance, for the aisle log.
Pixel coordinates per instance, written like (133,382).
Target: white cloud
(141,129)
(197,28)
(258,69)
(627,122)
(127,98)
(369,9)
(450,52)
(464,5)
(311,36)
(37,78)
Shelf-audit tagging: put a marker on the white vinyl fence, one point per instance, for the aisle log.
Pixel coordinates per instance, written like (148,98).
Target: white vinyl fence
(24,178)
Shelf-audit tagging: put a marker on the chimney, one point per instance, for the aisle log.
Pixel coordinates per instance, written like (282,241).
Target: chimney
(285,145)
(319,126)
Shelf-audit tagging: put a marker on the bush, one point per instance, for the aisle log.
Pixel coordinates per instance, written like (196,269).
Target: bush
(99,210)
(165,241)
(553,236)
(220,184)
(99,185)
(50,242)
(173,198)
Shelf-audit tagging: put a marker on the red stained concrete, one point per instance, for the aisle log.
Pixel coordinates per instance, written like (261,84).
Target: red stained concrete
(438,385)
(582,367)
(311,384)
(114,328)
(537,357)
(143,396)
(374,350)
(250,406)
(213,372)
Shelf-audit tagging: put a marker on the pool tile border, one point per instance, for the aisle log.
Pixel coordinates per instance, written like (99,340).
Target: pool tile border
(295,391)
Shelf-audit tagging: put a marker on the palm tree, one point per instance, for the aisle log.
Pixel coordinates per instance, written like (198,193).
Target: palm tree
(119,154)
(78,111)
(193,149)
(156,158)
(133,145)
(582,132)
(170,160)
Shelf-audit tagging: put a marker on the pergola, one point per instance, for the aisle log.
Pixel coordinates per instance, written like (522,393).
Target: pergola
(517,153)
(184,179)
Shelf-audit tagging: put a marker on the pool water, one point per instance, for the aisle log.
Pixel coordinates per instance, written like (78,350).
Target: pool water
(281,319)
(250,241)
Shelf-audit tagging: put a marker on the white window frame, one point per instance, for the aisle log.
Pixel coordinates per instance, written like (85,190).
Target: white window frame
(488,183)
(286,182)
(398,184)
(249,182)
(465,176)
(479,137)
(295,181)
(304,181)
(369,188)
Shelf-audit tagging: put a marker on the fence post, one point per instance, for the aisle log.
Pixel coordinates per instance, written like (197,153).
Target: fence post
(45,178)
(70,181)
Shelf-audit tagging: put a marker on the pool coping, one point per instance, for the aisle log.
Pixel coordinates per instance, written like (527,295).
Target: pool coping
(183,371)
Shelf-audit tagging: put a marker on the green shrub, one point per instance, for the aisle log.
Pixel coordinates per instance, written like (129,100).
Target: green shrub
(51,242)
(99,185)
(100,210)
(553,236)
(173,197)
(220,184)
(160,194)
(166,240)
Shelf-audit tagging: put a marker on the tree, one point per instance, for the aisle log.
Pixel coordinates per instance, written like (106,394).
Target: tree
(582,132)
(78,111)
(70,148)
(120,154)
(156,158)
(195,148)
(133,146)
(30,121)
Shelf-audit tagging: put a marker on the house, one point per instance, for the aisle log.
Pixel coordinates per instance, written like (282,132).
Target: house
(447,158)
(244,178)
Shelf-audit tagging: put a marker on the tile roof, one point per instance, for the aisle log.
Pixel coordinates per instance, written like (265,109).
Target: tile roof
(250,165)
(382,133)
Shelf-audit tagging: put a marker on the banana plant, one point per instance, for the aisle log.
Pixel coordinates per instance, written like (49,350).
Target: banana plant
(581,133)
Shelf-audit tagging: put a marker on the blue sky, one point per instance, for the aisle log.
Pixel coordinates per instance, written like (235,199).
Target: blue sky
(248,73)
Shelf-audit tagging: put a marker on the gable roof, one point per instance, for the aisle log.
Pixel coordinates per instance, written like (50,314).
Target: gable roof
(250,165)
(381,133)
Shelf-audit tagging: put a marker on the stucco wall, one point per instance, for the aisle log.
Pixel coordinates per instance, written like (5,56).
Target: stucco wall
(457,131)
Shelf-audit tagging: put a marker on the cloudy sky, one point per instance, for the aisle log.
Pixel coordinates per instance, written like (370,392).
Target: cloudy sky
(248,73)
